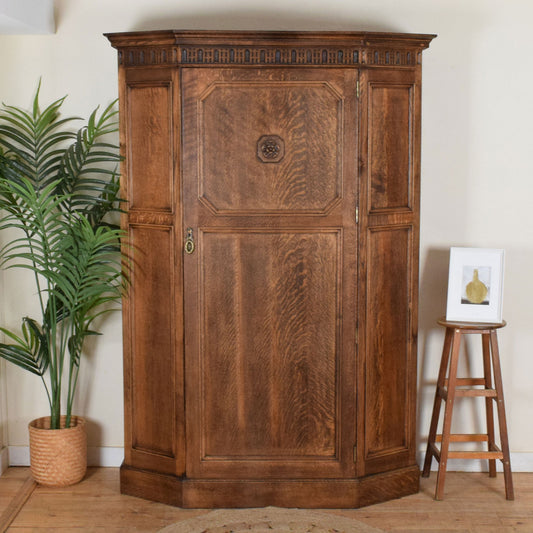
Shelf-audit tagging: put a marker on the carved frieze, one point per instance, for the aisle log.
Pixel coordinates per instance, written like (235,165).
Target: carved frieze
(249,55)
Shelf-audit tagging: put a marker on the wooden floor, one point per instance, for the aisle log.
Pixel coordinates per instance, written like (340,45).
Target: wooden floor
(473,503)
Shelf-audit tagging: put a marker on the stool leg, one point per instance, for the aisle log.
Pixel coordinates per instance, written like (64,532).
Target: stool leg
(448,410)
(509,493)
(438,401)
(485,338)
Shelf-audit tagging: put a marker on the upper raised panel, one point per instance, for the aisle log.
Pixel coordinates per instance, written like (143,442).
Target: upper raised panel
(270,147)
(391,122)
(149,158)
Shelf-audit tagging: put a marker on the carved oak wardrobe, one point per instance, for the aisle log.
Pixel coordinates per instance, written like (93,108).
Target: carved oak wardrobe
(272,181)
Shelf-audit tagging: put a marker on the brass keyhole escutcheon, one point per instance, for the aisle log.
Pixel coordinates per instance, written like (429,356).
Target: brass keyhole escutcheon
(189,242)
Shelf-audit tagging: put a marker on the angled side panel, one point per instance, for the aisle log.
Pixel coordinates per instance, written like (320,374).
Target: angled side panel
(153,371)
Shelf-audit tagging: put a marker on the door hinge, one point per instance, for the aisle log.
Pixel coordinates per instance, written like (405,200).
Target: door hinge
(355,454)
(357,91)
(357,214)
(356,334)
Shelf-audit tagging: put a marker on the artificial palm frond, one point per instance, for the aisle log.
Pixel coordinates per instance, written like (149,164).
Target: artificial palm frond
(29,351)
(56,188)
(88,183)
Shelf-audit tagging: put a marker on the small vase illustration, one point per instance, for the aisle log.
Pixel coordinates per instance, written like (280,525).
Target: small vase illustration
(476,290)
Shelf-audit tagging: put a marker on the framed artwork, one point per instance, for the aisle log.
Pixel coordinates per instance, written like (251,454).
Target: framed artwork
(475,285)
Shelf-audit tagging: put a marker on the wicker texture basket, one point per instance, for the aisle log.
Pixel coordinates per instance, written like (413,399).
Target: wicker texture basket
(58,457)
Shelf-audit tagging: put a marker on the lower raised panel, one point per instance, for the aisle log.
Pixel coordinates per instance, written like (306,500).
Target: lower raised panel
(310,494)
(269,356)
(152,383)
(390,365)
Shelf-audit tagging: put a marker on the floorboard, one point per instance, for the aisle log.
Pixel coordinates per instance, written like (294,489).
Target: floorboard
(473,503)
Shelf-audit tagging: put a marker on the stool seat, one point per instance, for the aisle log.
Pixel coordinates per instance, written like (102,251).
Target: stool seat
(450,386)
(476,326)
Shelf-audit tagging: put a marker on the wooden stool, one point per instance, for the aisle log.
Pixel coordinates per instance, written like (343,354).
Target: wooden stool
(448,389)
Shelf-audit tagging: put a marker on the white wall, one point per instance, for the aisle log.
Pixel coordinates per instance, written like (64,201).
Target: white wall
(476,160)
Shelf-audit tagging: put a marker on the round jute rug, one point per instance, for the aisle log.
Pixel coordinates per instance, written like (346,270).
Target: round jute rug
(269,520)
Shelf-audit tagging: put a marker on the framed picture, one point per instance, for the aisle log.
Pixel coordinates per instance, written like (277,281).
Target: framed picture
(475,285)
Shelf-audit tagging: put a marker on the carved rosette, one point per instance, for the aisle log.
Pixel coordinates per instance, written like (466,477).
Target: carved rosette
(270,149)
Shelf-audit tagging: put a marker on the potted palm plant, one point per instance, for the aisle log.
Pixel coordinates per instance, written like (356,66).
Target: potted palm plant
(58,186)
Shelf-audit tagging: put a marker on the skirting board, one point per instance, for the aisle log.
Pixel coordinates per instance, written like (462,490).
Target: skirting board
(4,459)
(96,456)
(113,457)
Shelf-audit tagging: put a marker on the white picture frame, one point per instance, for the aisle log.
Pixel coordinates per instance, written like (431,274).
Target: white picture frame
(475,285)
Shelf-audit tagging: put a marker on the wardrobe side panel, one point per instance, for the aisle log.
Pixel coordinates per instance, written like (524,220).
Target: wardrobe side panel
(390,192)
(153,315)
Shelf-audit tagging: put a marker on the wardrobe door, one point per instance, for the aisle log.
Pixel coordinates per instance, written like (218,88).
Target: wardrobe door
(269,196)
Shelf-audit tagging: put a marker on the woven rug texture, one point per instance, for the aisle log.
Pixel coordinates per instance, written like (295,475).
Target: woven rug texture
(269,520)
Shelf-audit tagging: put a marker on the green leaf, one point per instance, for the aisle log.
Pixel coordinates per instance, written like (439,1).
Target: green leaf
(29,352)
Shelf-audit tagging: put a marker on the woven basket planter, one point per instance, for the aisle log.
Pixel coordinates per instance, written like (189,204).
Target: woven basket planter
(58,457)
